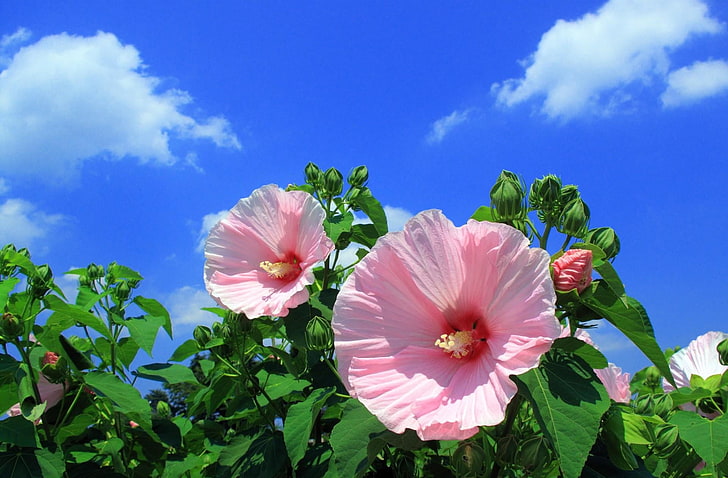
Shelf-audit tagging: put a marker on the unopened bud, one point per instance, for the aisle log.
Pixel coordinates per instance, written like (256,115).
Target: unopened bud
(40,283)
(163,409)
(319,334)
(667,439)
(606,239)
(333,182)
(54,368)
(202,334)
(568,193)
(506,449)
(663,405)
(644,405)
(507,197)
(573,270)
(94,271)
(574,219)
(653,378)
(469,460)
(122,291)
(545,193)
(723,352)
(534,453)
(358,176)
(314,175)
(10,326)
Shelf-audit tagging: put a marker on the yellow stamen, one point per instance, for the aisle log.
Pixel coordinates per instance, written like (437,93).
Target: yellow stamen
(280,270)
(459,343)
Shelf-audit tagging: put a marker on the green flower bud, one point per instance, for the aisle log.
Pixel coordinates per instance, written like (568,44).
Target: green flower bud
(606,239)
(94,271)
(319,334)
(667,440)
(333,182)
(545,192)
(644,405)
(84,280)
(122,291)
(663,405)
(506,449)
(574,219)
(507,197)
(568,193)
(163,409)
(534,453)
(723,352)
(41,282)
(469,460)
(238,321)
(202,334)
(653,378)
(10,326)
(6,268)
(314,175)
(358,176)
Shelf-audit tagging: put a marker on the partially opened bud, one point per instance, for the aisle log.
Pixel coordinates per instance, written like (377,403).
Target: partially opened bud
(663,405)
(545,192)
(10,326)
(54,368)
(573,270)
(644,405)
(666,439)
(606,239)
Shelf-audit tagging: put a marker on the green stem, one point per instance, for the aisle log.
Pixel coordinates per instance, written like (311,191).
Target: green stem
(566,243)
(511,413)
(543,241)
(34,383)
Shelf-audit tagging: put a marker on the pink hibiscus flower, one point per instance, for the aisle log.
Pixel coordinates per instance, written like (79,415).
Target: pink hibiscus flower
(435,318)
(699,358)
(260,257)
(616,382)
(573,270)
(51,393)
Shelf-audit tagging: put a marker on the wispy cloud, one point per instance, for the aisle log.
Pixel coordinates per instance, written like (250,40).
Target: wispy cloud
(8,43)
(692,83)
(68,98)
(445,125)
(184,306)
(24,225)
(587,66)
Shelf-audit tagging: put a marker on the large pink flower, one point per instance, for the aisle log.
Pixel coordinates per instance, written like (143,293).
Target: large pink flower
(261,256)
(616,382)
(435,318)
(51,393)
(699,358)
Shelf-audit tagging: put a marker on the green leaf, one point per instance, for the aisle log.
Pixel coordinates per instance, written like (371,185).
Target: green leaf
(29,463)
(168,432)
(75,357)
(126,398)
(365,234)
(155,309)
(709,438)
(630,317)
(337,225)
(373,209)
(176,468)
(259,455)
(19,431)
(279,385)
(67,315)
(52,465)
(167,373)
(6,287)
(123,272)
(589,354)
(484,213)
(144,330)
(188,348)
(568,402)
(299,422)
(350,439)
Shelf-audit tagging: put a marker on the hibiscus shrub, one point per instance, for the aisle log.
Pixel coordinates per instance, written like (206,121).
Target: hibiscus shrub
(341,349)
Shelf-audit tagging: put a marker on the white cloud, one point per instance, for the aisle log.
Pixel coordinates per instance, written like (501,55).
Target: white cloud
(184,306)
(24,225)
(9,42)
(208,221)
(443,126)
(68,98)
(586,65)
(692,83)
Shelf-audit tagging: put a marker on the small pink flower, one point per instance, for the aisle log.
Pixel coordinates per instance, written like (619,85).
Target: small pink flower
(616,382)
(434,320)
(699,358)
(51,393)
(133,424)
(50,358)
(260,258)
(573,270)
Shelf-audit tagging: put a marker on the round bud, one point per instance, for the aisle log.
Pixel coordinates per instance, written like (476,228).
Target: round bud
(319,334)
(358,176)
(10,326)
(333,182)
(606,239)
(202,334)
(469,459)
(507,197)
(574,219)
(314,175)
(723,352)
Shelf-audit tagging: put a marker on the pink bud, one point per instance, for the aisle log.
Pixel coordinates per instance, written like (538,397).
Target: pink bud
(133,424)
(50,358)
(573,270)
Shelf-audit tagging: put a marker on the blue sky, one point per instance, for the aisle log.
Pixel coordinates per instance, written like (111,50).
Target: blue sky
(125,128)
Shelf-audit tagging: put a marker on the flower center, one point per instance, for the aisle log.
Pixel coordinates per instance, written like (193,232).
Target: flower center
(458,344)
(281,270)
